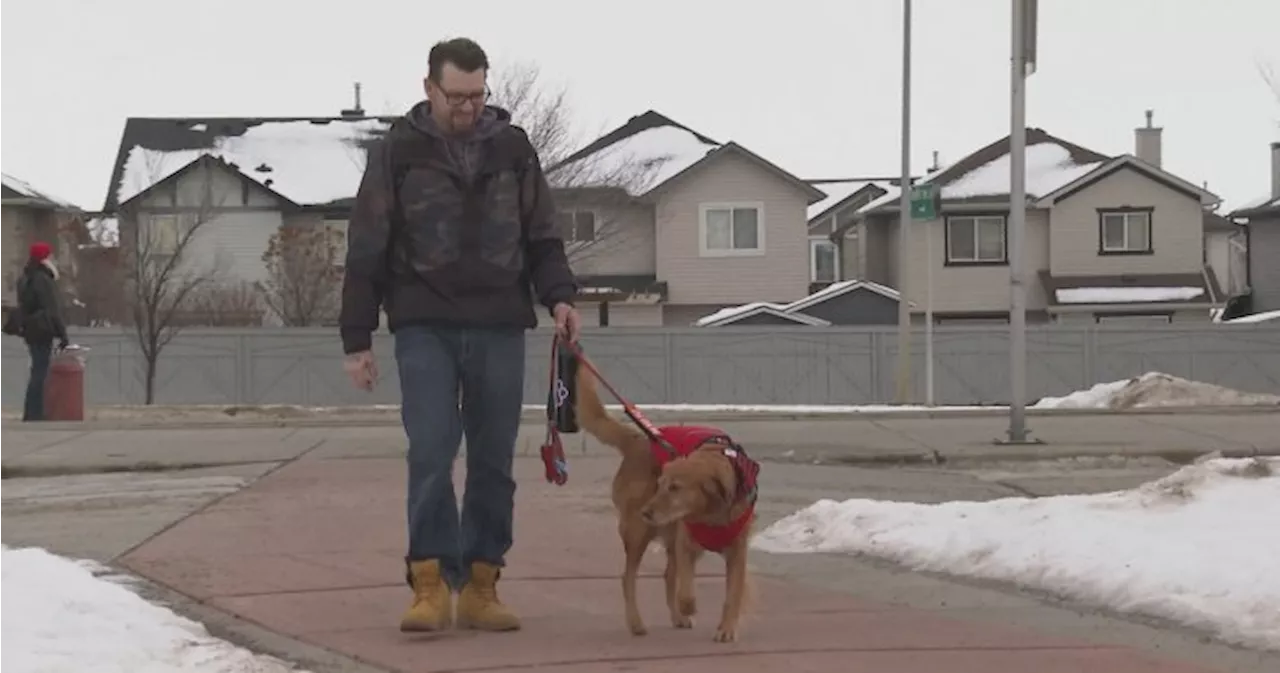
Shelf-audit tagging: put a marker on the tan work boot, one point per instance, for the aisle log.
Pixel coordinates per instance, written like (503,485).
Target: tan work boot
(478,604)
(432,608)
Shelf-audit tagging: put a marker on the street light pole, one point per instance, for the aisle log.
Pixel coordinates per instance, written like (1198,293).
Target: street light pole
(904,215)
(1023,49)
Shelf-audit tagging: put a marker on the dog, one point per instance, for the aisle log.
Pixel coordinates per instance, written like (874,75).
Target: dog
(693,504)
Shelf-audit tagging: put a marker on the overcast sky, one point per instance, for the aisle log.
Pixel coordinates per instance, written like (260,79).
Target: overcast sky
(813,85)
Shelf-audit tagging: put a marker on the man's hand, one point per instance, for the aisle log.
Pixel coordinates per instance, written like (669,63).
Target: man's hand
(362,369)
(568,323)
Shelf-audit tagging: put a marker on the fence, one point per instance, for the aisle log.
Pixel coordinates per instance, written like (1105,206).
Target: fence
(766,365)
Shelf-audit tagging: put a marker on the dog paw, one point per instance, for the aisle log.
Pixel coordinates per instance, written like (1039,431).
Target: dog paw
(681,621)
(726,635)
(687,606)
(638,629)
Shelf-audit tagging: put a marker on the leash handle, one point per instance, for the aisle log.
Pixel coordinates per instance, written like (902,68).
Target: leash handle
(556,467)
(646,426)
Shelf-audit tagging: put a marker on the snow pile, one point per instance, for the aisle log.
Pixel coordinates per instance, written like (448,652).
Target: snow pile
(1198,547)
(307,163)
(1155,389)
(1125,295)
(59,617)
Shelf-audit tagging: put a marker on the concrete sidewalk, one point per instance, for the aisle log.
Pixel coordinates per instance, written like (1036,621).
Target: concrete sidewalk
(313,551)
(30,449)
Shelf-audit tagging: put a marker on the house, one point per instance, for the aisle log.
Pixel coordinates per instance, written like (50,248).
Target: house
(835,253)
(230,183)
(1261,221)
(664,225)
(1107,237)
(842,303)
(31,215)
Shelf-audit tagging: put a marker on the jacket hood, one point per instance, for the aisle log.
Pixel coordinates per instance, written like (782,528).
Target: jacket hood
(493,120)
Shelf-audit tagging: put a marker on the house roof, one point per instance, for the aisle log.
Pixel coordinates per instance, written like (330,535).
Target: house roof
(1130,289)
(651,152)
(1263,205)
(983,175)
(1133,163)
(794,309)
(20,192)
(839,192)
(1216,222)
(307,160)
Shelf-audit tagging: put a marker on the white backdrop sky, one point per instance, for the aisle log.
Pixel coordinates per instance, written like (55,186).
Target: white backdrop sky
(810,84)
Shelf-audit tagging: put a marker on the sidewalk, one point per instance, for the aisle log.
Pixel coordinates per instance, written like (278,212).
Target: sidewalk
(313,550)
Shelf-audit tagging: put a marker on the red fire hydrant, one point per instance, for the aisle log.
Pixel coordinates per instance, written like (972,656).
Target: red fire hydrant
(64,389)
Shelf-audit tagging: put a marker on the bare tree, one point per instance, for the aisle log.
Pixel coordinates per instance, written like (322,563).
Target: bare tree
(161,264)
(304,275)
(224,304)
(594,192)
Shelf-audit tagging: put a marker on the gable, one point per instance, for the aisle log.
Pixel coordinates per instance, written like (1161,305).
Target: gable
(1130,165)
(805,190)
(307,161)
(225,186)
(860,306)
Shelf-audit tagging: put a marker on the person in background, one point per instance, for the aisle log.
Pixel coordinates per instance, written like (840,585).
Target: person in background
(41,321)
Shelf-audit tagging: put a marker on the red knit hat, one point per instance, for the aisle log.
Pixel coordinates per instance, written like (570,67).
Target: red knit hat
(40,251)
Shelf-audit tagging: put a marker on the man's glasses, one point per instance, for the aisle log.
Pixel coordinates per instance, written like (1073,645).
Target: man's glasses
(457,98)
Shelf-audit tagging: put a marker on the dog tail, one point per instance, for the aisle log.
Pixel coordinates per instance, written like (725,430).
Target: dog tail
(595,419)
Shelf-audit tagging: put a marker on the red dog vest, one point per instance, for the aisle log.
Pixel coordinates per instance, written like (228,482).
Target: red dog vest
(684,440)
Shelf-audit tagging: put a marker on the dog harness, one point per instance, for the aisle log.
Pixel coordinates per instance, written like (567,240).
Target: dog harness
(680,442)
(667,443)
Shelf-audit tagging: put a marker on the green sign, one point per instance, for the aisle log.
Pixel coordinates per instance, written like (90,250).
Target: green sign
(924,202)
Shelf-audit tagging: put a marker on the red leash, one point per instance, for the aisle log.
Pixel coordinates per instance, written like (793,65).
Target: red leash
(557,468)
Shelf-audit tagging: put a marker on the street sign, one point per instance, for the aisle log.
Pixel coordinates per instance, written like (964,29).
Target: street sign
(924,202)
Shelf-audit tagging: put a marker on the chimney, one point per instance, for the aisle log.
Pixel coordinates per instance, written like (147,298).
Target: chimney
(1275,169)
(355,112)
(1147,142)
(935,165)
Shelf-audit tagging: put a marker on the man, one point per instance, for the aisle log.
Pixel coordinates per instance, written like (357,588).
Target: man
(40,319)
(452,227)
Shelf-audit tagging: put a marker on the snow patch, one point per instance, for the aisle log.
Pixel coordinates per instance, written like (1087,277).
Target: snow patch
(1265,316)
(308,163)
(1125,295)
(64,615)
(1197,547)
(1154,389)
(639,162)
(1049,166)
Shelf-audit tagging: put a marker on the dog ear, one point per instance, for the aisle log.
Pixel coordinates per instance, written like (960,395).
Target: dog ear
(719,484)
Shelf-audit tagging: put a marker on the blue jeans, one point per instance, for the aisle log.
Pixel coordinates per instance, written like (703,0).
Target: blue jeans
(33,405)
(485,367)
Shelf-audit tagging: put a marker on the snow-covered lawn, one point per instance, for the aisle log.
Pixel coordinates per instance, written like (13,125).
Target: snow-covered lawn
(71,616)
(1200,547)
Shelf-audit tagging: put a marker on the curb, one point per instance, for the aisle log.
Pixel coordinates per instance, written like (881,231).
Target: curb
(388,419)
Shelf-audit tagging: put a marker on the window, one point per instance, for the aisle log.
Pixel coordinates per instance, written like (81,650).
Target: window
(822,260)
(162,235)
(337,230)
(732,229)
(577,226)
(1124,232)
(976,239)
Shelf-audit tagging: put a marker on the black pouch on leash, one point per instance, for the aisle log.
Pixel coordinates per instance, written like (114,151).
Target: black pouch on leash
(563,396)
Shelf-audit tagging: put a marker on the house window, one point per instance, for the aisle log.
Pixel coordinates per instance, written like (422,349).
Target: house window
(1124,232)
(162,235)
(577,226)
(822,260)
(732,229)
(337,230)
(976,239)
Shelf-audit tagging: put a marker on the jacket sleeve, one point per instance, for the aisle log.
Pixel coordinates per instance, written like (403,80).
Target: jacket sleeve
(365,277)
(47,295)
(549,270)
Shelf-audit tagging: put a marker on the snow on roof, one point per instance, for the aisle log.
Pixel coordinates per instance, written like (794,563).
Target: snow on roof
(306,162)
(1265,316)
(1049,166)
(25,189)
(1125,295)
(836,191)
(639,162)
(1260,202)
(790,309)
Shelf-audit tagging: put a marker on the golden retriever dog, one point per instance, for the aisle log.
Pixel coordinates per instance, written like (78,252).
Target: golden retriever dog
(678,503)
